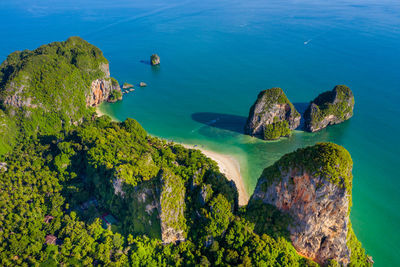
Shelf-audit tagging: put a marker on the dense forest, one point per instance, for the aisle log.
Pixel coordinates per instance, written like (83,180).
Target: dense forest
(60,187)
(77,189)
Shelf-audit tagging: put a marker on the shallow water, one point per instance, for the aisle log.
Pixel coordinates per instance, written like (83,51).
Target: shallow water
(215,58)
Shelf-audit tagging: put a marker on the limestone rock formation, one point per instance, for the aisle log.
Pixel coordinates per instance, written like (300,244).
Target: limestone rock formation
(49,88)
(159,206)
(272,115)
(102,90)
(313,186)
(154,60)
(127,86)
(172,205)
(331,107)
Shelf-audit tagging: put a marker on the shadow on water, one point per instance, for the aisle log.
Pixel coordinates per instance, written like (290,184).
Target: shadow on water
(301,108)
(146,62)
(228,122)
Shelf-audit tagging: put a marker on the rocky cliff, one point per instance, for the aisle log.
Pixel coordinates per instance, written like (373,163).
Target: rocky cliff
(50,88)
(272,115)
(328,108)
(157,207)
(102,90)
(313,186)
(158,189)
(172,208)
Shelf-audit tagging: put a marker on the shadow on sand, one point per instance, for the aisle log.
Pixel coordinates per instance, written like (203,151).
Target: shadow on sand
(228,122)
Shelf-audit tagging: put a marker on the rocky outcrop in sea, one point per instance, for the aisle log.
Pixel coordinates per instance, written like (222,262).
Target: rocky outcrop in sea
(313,186)
(155,60)
(272,115)
(331,107)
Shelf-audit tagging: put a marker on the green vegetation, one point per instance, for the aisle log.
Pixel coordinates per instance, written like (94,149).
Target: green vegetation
(339,102)
(275,95)
(8,132)
(276,130)
(272,116)
(44,91)
(115,95)
(358,254)
(71,177)
(173,202)
(327,160)
(64,173)
(127,85)
(324,159)
(268,219)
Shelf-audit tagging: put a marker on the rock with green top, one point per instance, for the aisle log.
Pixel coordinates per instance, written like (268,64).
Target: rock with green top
(155,60)
(50,88)
(313,186)
(331,107)
(172,207)
(114,96)
(272,115)
(127,86)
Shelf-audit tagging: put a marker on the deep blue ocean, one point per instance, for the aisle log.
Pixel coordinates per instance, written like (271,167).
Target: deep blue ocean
(215,58)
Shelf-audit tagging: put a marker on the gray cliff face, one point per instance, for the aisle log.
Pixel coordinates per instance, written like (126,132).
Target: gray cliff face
(101,89)
(319,210)
(271,106)
(329,108)
(172,205)
(159,204)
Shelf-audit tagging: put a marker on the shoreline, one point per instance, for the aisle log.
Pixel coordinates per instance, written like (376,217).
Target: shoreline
(100,113)
(227,165)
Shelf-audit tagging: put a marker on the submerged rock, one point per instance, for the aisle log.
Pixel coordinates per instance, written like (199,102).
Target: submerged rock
(272,115)
(154,60)
(313,186)
(331,107)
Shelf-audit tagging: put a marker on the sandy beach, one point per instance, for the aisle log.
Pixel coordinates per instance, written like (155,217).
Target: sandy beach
(99,113)
(227,165)
(230,167)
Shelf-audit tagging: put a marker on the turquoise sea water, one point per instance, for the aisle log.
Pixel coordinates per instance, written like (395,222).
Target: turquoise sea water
(215,58)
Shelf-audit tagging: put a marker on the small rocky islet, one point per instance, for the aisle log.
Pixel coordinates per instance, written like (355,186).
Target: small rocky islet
(154,60)
(331,107)
(127,86)
(273,116)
